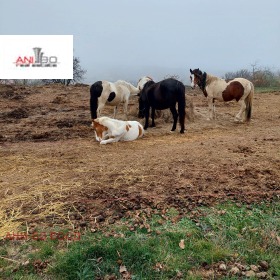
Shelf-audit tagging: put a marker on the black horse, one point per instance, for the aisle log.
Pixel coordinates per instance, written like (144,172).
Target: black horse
(160,96)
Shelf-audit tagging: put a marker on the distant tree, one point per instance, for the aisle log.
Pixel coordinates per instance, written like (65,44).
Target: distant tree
(254,69)
(243,73)
(78,75)
(261,77)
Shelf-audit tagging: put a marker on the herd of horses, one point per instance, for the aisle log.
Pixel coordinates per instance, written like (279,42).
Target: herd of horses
(168,93)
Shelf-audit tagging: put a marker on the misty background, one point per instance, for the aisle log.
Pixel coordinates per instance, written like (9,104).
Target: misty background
(128,39)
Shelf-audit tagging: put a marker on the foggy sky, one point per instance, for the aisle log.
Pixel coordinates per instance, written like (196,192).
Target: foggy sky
(127,39)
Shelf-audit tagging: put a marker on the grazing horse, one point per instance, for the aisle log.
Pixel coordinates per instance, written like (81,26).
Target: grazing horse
(214,88)
(109,130)
(160,96)
(104,92)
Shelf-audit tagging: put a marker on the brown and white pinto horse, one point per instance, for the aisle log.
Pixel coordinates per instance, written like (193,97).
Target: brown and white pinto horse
(109,130)
(215,88)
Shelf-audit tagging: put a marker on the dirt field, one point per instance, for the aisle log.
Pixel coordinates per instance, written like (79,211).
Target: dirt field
(54,173)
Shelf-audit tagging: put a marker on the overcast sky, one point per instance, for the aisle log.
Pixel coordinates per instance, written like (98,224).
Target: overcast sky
(127,39)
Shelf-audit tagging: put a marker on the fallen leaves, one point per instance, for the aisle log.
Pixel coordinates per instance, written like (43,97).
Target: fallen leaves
(182,244)
(125,274)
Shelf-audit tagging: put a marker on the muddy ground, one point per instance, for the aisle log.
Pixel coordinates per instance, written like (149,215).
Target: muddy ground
(54,173)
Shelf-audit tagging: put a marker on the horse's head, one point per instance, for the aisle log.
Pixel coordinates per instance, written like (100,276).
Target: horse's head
(99,129)
(196,78)
(141,112)
(142,81)
(143,98)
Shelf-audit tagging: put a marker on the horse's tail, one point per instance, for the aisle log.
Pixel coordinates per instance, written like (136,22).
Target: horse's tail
(249,103)
(181,105)
(95,92)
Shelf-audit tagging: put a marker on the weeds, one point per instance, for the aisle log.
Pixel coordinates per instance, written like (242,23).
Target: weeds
(224,242)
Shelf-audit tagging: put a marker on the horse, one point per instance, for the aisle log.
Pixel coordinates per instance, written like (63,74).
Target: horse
(214,88)
(159,96)
(104,92)
(108,130)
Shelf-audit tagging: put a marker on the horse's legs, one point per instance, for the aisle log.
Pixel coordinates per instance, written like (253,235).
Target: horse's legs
(175,117)
(110,140)
(147,115)
(99,109)
(238,117)
(210,108)
(115,111)
(125,105)
(214,111)
(153,117)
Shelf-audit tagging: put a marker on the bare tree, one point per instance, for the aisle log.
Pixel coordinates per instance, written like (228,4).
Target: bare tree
(243,73)
(260,76)
(78,75)
(254,69)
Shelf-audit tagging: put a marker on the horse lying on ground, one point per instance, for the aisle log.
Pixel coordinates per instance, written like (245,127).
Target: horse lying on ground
(104,92)
(109,130)
(160,96)
(214,88)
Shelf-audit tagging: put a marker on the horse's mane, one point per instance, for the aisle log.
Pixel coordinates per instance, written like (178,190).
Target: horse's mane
(211,78)
(149,78)
(101,120)
(122,82)
(149,83)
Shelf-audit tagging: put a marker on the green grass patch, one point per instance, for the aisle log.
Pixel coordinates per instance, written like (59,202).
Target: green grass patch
(267,89)
(157,247)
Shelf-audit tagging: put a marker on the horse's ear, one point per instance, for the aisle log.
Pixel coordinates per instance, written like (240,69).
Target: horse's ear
(191,71)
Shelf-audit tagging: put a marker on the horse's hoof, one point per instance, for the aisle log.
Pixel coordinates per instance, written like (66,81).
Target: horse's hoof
(182,131)
(237,120)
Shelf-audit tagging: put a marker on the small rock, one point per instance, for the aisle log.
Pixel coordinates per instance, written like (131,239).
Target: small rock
(222,267)
(261,275)
(179,274)
(110,277)
(264,265)
(27,262)
(254,268)
(250,273)
(100,218)
(111,221)
(83,224)
(241,267)
(234,270)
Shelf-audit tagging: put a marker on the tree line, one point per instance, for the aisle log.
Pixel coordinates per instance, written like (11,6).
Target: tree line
(259,76)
